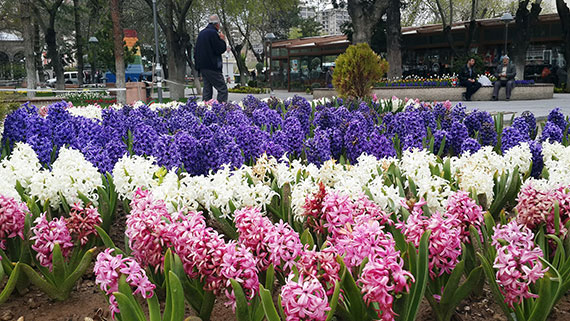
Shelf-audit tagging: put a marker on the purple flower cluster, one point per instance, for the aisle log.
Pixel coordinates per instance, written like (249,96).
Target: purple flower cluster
(199,138)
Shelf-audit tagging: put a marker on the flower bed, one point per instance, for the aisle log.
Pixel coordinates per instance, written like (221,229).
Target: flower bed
(446,81)
(417,201)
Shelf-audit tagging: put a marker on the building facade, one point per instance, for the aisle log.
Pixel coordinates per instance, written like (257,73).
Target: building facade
(426,52)
(332,19)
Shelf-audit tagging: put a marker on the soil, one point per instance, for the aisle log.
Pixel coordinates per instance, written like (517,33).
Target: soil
(87,302)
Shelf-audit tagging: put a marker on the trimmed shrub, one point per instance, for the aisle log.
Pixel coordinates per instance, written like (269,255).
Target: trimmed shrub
(357,70)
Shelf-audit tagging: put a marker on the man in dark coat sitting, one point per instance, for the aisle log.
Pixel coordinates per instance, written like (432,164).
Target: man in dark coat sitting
(468,79)
(210,46)
(505,74)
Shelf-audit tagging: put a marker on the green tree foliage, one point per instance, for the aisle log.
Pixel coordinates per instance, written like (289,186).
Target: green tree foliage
(103,50)
(357,70)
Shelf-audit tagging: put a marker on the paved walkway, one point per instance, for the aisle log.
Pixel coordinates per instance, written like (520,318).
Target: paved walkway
(540,108)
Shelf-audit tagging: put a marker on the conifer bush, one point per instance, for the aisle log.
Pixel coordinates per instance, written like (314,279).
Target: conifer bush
(357,70)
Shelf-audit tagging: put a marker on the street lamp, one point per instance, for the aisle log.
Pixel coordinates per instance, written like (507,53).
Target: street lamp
(269,37)
(506,18)
(93,41)
(158,68)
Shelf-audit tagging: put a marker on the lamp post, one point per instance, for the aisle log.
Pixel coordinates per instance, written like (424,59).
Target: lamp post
(269,37)
(506,18)
(158,68)
(227,55)
(93,41)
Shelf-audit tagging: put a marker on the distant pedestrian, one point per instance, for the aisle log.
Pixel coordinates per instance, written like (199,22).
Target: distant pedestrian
(329,76)
(468,79)
(505,74)
(210,46)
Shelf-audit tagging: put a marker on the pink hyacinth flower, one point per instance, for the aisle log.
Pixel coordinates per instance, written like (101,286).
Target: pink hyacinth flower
(12,219)
(82,221)
(46,235)
(517,262)
(304,299)
(108,269)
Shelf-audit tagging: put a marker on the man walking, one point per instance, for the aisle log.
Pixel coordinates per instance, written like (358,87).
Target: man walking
(505,74)
(210,46)
(468,79)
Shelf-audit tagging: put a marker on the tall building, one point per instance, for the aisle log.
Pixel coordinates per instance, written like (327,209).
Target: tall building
(332,19)
(306,10)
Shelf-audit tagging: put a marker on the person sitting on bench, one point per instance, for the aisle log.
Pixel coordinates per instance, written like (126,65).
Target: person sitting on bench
(468,79)
(505,74)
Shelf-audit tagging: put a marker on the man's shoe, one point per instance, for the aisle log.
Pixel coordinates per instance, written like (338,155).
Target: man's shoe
(463,96)
(494,98)
(508,98)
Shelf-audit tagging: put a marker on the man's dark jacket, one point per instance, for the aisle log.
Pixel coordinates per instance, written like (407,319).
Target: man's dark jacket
(464,74)
(511,71)
(208,50)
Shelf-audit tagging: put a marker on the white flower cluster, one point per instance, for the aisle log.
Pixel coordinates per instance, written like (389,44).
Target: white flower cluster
(89,111)
(71,174)
(557,163)
(21,166)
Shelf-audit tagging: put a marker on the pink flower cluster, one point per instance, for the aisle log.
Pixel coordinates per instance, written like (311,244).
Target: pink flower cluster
(108,269)
(200,248)
(240,265)
(206,255)
(340,210)
(535,206)
(275,244)
(304,299)
(12,219)
(321,265)
(313,209)
(81,222)
(467,211)
(147,229)
(444,241)
(383,275)
(517,261)
(357,233)
(46,235)
(380,279)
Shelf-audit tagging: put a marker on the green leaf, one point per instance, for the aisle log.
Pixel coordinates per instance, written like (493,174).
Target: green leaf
(107,240)
(126,308)
(333,302)
(269,277)
(207,305)
(125,289)
(58,265)
(307,239)
(465,289)
(177,297)
(49,289)
(420,269)
(452,284)
(499,298)
(10,284)
(353,296)
(79,271)
(153,308)
(268,306)
(242,309)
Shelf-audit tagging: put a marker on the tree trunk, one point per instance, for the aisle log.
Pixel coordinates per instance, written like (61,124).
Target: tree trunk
(53,55)
(195,75)
(176,68)
(524,19)
(28,34)
(78,42)
(394,40)
(365,14)
(38,60)
(564,14)
(119,51)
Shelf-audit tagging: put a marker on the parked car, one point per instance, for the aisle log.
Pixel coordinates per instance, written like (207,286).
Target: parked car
(70,77)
